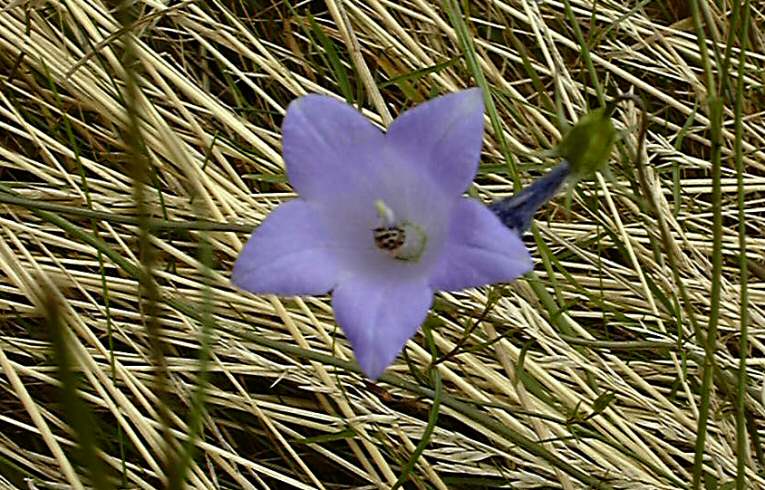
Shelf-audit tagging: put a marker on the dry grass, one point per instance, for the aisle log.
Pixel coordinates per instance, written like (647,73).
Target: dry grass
(611,384)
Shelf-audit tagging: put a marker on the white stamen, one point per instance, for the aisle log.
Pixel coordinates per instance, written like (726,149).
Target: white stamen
(386,214)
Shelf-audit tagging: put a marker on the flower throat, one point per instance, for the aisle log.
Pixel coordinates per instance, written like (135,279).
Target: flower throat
(401,240)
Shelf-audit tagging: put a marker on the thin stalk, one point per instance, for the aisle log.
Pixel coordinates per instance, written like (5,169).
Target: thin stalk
(101,267)
(710,346)
(77,414)
(197,411)
(474,65)
(148,289)
(433,414)
(585,51)
(742,441)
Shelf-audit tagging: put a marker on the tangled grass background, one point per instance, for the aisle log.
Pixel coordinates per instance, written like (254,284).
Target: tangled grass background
(140,145)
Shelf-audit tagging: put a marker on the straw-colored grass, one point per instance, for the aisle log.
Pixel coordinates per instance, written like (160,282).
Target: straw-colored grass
(590,372)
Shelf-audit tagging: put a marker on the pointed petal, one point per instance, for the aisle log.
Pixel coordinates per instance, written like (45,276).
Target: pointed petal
(289,254)
(479,250)
(444,136)
(326,145)
(378,315)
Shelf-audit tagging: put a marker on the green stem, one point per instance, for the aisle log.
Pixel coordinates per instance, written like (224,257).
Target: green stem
(710,346)
(432,416)
(148,290)
(474,65)
(742,441)
(101,266)
(585,51)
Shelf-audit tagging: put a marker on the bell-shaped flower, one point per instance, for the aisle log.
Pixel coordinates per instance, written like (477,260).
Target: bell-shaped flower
(381,220)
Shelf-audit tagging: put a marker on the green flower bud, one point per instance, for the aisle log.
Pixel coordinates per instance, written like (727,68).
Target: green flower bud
(587,146)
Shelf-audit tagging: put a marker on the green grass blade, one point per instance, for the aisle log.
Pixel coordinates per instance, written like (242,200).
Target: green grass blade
(742,441)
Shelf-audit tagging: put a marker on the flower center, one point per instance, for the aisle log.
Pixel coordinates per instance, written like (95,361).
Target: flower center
(401,240)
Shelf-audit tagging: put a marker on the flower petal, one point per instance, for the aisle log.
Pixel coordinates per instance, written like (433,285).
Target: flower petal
(444,135)
(378,315)
(289,254)
(479,250)
(327,144)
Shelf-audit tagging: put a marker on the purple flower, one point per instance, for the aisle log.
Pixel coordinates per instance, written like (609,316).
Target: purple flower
(381,220)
